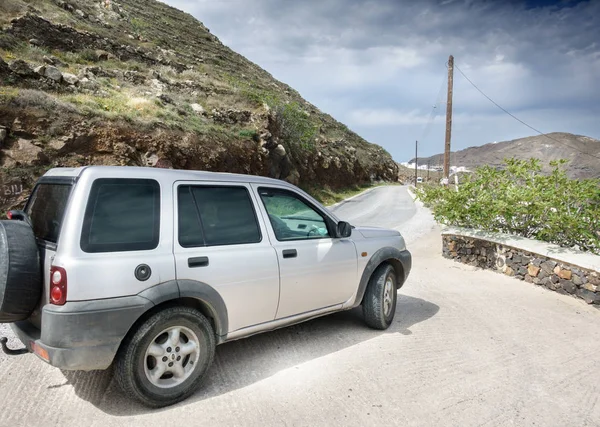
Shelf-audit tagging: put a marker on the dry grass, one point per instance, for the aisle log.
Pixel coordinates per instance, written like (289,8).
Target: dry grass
(29,98)
(10,9)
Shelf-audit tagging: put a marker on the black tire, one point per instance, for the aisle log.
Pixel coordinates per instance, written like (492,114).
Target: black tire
(131,359)
(20,271)
(374,302)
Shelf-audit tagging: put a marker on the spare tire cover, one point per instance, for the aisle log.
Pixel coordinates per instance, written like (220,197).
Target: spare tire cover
(20,271)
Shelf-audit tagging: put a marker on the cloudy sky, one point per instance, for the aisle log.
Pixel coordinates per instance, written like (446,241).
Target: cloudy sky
(379,66)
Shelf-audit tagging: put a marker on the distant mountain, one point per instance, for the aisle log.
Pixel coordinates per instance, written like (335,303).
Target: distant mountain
(575,148)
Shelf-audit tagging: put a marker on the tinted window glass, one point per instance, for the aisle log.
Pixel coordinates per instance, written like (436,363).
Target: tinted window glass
(223,216)
(291,217)
(122,215)
(190,229)
(46,210)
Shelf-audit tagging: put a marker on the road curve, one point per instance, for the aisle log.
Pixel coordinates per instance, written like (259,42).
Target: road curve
(468,347)
(387,206)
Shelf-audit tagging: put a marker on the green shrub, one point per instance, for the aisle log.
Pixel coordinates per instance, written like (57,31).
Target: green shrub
(137,25)
(248,133)
(294,125)
(520,200)
(88,55)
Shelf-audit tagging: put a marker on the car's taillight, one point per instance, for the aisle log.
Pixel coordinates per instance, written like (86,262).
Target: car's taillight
(58,285)
(9,214)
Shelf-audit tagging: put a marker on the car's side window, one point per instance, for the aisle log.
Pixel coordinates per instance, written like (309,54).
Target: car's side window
(121,215)
(218,215)
(291,217)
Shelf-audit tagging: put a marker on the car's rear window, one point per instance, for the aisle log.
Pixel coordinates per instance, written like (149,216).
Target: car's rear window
(46,209)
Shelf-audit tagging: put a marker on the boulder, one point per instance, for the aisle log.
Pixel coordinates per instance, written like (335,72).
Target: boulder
(34,42)
(102,55)
(279,151)
(40,70)
(53,73)
(25,152)
(197,108)
(53,60)
(164,164)
(70,78)
(166,99)
(21,68)
(3,135)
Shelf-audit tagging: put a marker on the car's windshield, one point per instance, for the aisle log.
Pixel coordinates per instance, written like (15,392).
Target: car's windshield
(46,209)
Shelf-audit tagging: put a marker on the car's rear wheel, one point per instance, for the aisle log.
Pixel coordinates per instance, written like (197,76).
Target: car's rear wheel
(379,302)
(164,361)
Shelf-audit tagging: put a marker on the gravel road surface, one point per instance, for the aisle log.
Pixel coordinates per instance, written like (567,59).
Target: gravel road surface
(467,348)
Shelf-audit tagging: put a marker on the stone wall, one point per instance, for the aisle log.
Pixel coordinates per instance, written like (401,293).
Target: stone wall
(534,268)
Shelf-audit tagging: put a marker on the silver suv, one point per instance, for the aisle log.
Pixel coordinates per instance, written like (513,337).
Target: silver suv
(150,269)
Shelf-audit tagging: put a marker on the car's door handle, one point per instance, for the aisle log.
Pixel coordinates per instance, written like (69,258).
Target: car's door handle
(289,253)
(201,261)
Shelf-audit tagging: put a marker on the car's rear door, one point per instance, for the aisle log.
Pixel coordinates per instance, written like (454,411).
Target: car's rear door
(222,242)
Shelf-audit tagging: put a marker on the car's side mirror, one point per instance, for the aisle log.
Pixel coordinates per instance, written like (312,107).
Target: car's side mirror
(343,229)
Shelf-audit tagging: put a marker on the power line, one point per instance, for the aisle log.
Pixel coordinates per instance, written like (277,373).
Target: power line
(519,120)
(434,111)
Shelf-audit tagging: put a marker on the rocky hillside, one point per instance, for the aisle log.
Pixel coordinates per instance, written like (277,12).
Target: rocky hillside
(574,148)
(136,82)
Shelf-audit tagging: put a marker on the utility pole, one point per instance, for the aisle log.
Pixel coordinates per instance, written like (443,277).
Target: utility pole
(416,160)
(428,167)
(448,117)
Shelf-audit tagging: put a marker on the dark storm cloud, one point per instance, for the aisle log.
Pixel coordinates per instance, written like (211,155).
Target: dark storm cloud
(378,64)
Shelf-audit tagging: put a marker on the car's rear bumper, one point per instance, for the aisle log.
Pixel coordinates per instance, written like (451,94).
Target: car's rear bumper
(86,358)
(81,335)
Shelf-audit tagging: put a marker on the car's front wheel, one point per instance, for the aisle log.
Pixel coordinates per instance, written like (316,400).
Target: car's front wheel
(379,302)
(164,361)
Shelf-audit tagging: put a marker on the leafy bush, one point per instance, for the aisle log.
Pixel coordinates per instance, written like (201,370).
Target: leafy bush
(294,125)
(521,200)
(137,25)
(88,55)
(248,133)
